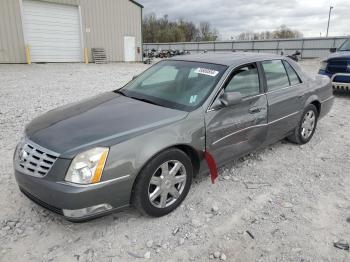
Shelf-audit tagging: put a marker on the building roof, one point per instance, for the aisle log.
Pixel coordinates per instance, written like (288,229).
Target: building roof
(136,3)
(227,58)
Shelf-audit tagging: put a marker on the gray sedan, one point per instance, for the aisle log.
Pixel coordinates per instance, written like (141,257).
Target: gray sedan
(142,145)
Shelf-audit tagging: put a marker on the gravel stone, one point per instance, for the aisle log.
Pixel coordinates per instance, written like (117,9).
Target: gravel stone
(223,257)
(216,254)
(149,243)
(181,241)
(215,208)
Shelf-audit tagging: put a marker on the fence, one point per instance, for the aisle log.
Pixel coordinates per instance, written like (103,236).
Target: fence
(309,47)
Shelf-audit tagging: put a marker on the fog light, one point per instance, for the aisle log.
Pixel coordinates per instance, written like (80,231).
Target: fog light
(88,211)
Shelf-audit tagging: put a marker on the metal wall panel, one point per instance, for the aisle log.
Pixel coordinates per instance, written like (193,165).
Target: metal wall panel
(295,45)
(104,24)
(309,47)
(223,46)
(206,46)
(190,46)
(243,45)
(11,33)
(267,45)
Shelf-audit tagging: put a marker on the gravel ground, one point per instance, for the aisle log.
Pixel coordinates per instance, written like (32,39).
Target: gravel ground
(282,203)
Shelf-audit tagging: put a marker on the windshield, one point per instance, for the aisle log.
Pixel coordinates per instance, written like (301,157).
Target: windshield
(180,85)
(345,46)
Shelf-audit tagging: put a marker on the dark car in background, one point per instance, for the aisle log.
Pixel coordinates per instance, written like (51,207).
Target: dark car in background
(142,144)
(337,67)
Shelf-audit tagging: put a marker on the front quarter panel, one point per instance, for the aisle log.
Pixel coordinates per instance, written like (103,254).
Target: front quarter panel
(126,159)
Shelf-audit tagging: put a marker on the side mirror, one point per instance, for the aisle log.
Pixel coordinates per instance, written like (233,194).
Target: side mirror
(230,98)
(134,77)
(333,50)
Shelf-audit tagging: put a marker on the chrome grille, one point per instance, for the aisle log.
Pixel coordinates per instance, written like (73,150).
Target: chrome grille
(34,160)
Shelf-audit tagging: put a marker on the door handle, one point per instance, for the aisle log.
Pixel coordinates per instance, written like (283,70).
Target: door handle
(254,110)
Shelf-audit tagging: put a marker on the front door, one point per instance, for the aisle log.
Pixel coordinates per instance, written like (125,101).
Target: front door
(129,49)
(235,130)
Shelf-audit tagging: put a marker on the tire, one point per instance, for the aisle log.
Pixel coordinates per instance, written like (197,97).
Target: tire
(301,136)
(154,183)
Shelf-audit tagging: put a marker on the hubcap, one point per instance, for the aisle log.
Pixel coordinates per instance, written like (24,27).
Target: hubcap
(308,124)
(167,184)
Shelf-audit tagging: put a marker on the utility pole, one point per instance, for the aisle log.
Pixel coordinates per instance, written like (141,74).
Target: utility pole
(329,19)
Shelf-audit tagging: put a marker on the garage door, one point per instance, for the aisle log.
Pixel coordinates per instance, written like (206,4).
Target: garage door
(52,31)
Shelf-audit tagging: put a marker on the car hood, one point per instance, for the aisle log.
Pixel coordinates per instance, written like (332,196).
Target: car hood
(104,120)
(343,55)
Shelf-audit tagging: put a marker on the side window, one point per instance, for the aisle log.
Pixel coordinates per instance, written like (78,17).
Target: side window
(165,74)
(276,75)
(244,80)
(293,77)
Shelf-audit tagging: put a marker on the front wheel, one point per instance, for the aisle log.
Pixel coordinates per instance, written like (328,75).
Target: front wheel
(163,183)
(306,126)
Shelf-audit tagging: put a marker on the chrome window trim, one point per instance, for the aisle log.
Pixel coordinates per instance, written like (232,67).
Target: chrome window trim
(283,88)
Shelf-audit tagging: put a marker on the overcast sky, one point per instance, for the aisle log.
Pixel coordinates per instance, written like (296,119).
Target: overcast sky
(232,17)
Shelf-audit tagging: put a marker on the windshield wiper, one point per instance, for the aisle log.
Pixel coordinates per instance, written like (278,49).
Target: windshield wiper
(120,92)
(145,100)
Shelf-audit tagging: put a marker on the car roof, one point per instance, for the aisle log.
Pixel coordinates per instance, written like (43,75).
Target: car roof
(227,58)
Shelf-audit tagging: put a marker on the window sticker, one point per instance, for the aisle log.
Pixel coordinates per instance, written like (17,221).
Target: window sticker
(193,99)
(206,71)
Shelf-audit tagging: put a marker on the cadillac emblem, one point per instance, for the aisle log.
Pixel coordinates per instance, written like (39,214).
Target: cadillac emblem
(22,155)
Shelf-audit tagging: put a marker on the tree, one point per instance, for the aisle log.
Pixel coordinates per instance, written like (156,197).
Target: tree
(162,30)
(206,33)
(282,32)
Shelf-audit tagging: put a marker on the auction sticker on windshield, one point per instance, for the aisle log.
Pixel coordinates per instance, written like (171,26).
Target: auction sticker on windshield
(206,71)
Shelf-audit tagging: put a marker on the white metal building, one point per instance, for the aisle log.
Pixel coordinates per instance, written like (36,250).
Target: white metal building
(61,30)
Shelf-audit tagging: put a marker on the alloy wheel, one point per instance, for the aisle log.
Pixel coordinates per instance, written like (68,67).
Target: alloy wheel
(308,124)
(167,184)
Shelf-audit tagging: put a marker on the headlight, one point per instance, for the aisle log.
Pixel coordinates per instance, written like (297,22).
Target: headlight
(87,167)
(324,65)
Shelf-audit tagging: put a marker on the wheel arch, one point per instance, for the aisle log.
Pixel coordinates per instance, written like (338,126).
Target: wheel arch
(314,100)
(191,152)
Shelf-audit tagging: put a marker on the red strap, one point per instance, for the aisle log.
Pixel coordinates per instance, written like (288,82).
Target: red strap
(212,166)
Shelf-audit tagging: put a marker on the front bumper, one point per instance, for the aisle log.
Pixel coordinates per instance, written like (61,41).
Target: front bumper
(76,203)
(340,81)
(345,86)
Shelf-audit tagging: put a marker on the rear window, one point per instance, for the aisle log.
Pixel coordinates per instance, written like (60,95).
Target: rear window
(276,75)
(293,77)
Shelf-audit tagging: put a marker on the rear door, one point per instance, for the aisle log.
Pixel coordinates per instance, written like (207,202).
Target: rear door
(235,130)
(284,96)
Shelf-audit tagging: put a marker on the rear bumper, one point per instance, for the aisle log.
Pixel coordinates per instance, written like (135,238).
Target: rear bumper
(73,202)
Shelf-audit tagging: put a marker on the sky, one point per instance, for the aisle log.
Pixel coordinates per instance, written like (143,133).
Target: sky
(231,17)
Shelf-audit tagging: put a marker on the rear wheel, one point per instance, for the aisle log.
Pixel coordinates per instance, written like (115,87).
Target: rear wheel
(306,127)
(163,183)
